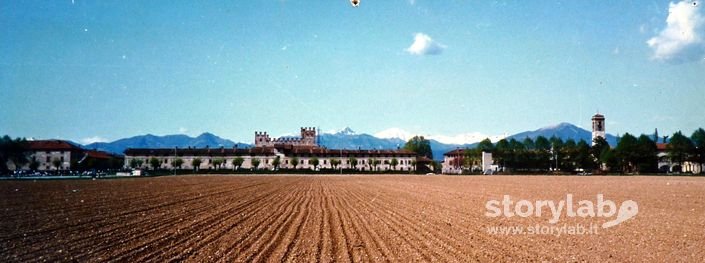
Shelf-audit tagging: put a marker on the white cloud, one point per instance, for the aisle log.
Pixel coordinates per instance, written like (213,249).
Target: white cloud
(183,130)
(681,40)
(463,138)
(89,140)
(424,45)
(394,133)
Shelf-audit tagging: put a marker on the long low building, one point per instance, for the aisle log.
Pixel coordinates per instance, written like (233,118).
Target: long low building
(60,155)
(296,153)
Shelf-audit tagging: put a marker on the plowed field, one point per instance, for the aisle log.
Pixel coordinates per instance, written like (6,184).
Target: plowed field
(339,218)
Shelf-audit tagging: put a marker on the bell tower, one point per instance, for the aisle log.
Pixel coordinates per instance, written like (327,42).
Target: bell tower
(598,127)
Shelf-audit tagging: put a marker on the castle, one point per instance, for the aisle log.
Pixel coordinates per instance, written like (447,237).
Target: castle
(308,138)
(275,153)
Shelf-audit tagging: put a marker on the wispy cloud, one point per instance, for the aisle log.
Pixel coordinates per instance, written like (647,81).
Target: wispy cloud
(89,140)
(425,45)
(681,40)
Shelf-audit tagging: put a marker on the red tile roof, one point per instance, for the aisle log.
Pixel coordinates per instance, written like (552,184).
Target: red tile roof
(455,152)
(52,145)
(99,154)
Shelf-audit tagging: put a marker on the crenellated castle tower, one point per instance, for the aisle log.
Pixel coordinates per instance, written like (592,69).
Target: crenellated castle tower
(308,138)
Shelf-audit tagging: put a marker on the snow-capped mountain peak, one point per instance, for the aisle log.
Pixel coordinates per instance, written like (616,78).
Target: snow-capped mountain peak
(394,133)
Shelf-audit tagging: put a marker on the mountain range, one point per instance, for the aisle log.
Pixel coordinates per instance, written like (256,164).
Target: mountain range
(343,139)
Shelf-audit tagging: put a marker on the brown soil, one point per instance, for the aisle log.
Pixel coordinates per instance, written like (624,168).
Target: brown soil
(339,218)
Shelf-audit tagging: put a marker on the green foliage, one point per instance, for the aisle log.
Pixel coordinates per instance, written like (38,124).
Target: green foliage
(353,163)
(394,163)
(276,162)
(680,149)
(485,145)
(609,158)
(12,150)
(237,162)
(698,139)
(627,152)
(33,165)
(598,147)
(420,146)
(646,155)
(583,158)
(334,163)
(314,161)
(178,162)
(294,162)
(134,163)
(155,163)
(196,163)
(56,163)
(255,163)
(217,162)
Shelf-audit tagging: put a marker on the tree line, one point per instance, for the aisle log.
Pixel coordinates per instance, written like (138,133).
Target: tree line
(631,154)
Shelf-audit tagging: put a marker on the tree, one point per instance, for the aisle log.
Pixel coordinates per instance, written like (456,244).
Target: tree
(12,151)
(178,162)
(334,163)
(646,155)
(276,162)
(294,162)
(471,158)
(377,163)
(353,163)
(140,162)
(57,163)
(217,162)
(609,158)
(626,152)
(517,157)
(542,158)
(680,148)
(598,147)
(569,155)
(255,163)
(502,152)
(420,146)
(370,162)
(394,163)
(237,162)
(33,165)
(583,157)
(314,161)
(485,145)
(698,139)
(134,163)
(155,163)
(196,163)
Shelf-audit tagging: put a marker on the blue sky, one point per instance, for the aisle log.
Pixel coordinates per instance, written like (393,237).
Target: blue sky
(104,70)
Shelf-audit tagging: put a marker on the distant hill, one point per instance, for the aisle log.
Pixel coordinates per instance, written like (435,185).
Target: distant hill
(166,141)
(348,139)
(344,139)
(564,131)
